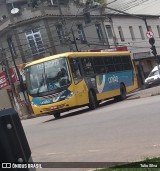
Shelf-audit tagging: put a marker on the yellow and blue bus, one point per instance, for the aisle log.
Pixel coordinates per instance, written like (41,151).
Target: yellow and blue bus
(70,80)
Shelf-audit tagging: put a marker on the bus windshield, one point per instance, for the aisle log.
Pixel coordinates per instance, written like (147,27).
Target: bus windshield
(47,77)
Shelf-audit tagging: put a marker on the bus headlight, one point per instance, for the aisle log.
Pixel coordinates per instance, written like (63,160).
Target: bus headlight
(70,95)
(35,105)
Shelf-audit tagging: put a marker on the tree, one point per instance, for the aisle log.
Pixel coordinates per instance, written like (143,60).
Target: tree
(95,3)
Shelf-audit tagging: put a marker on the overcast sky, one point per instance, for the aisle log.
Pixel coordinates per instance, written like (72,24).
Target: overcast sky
(151,7)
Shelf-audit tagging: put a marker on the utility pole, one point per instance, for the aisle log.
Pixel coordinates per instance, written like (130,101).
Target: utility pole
(64,26)
(7,71)
(11,47)
(22,89)
(74,39)
(146,24)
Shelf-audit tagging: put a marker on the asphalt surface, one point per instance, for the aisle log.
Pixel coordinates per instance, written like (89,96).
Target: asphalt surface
(115,132)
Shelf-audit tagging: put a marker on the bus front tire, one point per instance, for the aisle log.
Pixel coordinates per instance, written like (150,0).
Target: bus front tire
(57,115)
(93,103)
(123,93)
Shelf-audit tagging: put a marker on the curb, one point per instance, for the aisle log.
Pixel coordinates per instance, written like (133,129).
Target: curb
(156,94)
(32,116)
(133,98)
(27,117)
(142,96)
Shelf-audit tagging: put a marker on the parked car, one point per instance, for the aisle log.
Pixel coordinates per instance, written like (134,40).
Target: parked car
(153,78)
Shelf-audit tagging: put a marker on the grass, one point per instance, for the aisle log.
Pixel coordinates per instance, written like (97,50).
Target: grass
(146,165)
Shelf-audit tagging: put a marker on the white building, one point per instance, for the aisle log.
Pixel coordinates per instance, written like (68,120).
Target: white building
(126,30)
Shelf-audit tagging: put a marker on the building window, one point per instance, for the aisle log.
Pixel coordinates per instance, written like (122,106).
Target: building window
(109,31)
(99,31)
(158,29)
(60,33)
(132,33)
(35,41)
(121,33)
(141,32)
(81,33)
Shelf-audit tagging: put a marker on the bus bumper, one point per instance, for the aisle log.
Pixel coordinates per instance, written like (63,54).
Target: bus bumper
(60,106)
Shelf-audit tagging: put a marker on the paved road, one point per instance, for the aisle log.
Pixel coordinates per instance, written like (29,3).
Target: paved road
(124,131)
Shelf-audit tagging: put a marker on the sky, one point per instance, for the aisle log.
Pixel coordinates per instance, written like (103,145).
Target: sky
(147,7)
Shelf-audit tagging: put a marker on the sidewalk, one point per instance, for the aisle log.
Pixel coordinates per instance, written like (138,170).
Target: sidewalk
(144,93)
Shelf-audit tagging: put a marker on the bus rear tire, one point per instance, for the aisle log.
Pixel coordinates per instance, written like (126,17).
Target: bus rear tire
(57,115)
(123,93)
(93,103)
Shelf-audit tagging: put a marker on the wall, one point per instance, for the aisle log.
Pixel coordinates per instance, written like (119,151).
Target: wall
(5,103)
(137,45)
(30,18)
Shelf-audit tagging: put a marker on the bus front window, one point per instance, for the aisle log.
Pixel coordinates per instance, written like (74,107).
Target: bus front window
(49,76)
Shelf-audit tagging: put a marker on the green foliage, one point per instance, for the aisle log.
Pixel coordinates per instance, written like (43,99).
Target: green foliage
(102,2)
(90,2)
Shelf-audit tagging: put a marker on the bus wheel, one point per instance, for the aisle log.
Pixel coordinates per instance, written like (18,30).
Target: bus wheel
(123,93)
(93,103)
(57,115)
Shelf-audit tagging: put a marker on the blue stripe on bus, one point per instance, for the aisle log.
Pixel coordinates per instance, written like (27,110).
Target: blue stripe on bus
(108,82)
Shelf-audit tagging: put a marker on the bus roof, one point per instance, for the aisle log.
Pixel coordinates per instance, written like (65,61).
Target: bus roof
(78,54)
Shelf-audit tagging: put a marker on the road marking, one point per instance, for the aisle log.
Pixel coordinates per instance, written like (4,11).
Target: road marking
(156,145)
(92,151)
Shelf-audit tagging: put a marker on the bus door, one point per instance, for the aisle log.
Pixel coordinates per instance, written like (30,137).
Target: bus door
(79,83)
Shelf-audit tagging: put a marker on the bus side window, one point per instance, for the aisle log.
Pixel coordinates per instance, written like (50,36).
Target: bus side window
(99,65)
(75,68)
(87,66)
(109,64)
(118,63)
(127,64)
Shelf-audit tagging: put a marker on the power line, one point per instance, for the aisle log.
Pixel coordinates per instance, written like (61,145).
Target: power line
(57,36)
